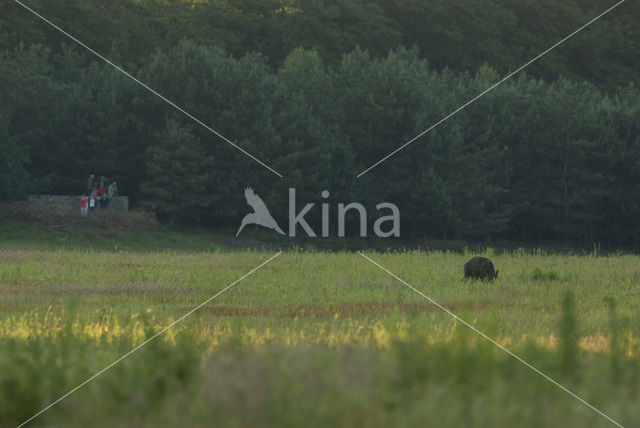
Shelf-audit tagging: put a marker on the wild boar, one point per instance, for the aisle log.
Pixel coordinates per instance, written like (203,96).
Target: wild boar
(480,268)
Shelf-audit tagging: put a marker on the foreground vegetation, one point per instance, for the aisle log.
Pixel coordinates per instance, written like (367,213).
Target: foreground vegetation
(316,339)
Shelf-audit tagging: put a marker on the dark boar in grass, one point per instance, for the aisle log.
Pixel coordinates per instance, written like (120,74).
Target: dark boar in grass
(480,268)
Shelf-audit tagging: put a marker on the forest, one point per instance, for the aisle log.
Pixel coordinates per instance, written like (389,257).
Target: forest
(321,90)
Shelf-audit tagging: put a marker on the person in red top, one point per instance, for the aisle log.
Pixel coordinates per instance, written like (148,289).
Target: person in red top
(84,205)
(101,190)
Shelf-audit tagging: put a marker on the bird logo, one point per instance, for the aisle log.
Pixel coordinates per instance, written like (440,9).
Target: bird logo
(260,214)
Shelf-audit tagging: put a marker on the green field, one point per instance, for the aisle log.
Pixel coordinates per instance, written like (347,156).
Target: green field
(316,339)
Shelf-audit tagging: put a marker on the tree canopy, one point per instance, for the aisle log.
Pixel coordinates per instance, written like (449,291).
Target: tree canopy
(321,90)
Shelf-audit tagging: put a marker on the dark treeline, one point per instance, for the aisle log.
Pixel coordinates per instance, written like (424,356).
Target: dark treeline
(322,90)
(457,34)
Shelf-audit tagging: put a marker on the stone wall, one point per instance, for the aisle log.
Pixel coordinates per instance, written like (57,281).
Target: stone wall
(72,203)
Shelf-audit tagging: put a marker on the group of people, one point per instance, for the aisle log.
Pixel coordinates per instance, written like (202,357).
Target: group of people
(98,194)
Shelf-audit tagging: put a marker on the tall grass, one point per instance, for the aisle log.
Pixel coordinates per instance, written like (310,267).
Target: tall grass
(317,339)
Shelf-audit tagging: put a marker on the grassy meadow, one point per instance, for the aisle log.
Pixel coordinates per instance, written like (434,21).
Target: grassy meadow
(316,338)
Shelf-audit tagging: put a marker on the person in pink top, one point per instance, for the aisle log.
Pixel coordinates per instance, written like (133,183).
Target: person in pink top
(84,205)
